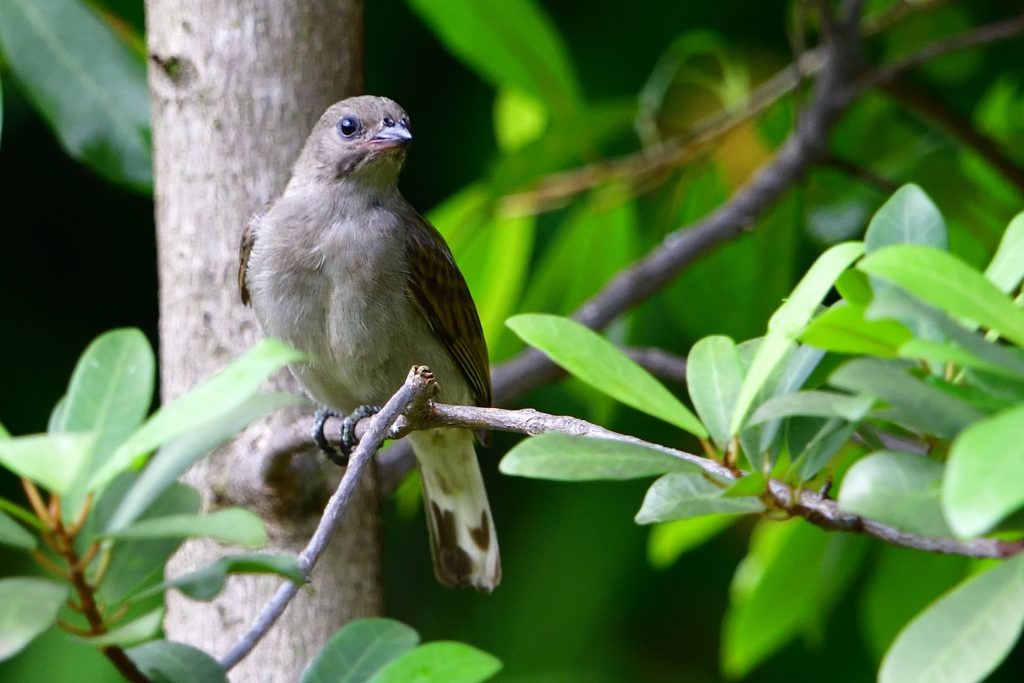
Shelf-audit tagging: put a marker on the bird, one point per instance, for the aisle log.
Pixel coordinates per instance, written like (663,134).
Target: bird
(342,268)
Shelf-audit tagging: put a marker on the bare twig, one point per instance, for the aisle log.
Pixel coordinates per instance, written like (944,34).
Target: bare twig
(418,388)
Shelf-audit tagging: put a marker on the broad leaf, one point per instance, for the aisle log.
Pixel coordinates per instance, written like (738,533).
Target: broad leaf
(950,284)
(900,489)
(813,404)
(908,217)
(983,476)
(440,662)
(813,442)
(358,650)
(789,321)
(681,495)
(232,525)
(845,329)
(593,359)
(165,661)
(85,82)
(788,582)
(713,378)
(579,458)
(53,462)
(668,541)
(509,44)
(206,583)
(135,631)
(215,398)
(1007,266)
(964,635)
(13,534)
(30,606)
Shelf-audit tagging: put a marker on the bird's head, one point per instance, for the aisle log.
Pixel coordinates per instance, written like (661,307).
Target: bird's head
(359,139)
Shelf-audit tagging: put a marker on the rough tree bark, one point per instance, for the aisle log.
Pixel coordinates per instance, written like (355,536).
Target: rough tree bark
(235,87)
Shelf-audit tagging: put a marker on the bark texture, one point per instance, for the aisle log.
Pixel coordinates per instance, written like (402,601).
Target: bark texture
(236,86)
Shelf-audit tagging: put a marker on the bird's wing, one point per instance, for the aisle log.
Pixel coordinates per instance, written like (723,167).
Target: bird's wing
(436,287)
(244,249)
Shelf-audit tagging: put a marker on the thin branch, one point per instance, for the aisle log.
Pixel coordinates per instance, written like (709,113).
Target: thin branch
(409,399)
(862,173)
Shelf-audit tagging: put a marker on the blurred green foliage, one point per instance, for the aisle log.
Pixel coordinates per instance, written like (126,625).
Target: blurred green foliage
(514,91)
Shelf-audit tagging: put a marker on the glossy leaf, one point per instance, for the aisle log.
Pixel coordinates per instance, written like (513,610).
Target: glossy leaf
(109,395)
(13,534)
(908,217)
(899,489)
(786,584)
(983,475)
(950,284)
(825,440)
(509,44)
(1007,266)
(963,636)
(845,329)
(814,403)
(165,661)
(789,321)
(681,495)
(231,525)
(53,462)
(669,540)
(593,359)
(578,458)
(206,583)
(914,402)
(85,82)
(713,378)
(177,455)
(439,662)
(30,606)
(358,650)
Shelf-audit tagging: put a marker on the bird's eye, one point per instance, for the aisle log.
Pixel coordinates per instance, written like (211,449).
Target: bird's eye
(348,126)
(388,122)
(405,121)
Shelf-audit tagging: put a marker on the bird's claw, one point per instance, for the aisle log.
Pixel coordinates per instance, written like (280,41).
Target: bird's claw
(332,453)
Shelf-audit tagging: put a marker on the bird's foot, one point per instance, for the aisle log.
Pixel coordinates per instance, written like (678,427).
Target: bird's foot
(339,456)
(332,453)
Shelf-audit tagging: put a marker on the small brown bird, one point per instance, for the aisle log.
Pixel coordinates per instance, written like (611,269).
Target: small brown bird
(342,268)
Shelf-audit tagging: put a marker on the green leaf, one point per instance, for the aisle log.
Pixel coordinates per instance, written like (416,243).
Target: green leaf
(915,403)
(109,395)
(908,217)
(668,541)
(681,495)
(947,282)
(813,404)
(359,649)
(902,584)
(232,525)
(593,359)
(855,288)
(88,85)
(13,534)
(845,329)
(30,606)
(899,489)
(964,635)
(206,583)
(211,401)
(440,662)
(713,378)
(509,44)
(135,631)
(177,455)
(818,442)
(984,472)
(519,119)
(53,462)
(578,458)
(1007,266)
(789,321)
(164,661)
(785,585)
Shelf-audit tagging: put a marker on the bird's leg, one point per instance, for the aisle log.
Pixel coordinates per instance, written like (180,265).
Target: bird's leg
(348,426)
(332,453)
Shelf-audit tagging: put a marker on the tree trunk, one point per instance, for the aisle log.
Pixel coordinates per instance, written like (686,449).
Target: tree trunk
(236,86)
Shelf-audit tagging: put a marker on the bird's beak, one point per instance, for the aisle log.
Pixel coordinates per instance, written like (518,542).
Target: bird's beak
(393,136)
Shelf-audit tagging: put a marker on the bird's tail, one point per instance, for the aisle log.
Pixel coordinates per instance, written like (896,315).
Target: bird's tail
(462,537)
